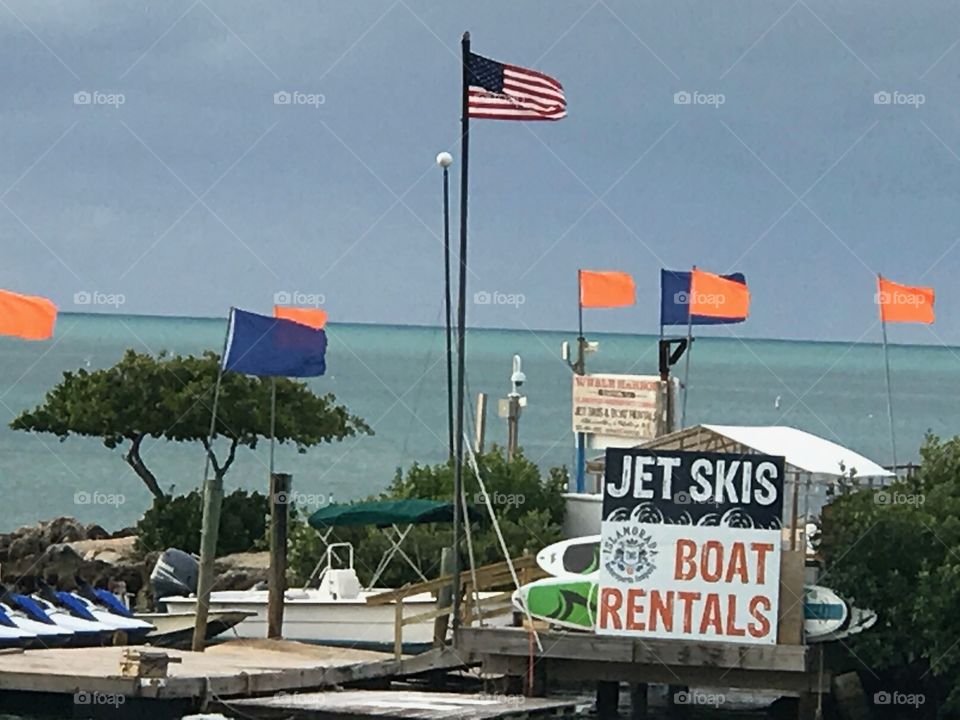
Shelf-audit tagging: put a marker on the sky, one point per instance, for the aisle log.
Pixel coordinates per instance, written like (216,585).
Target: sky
(148,168)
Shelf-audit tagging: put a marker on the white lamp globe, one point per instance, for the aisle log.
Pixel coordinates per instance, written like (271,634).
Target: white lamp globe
(444,159)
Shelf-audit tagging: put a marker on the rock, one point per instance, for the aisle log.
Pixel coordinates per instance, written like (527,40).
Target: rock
(95,532)
(241,571)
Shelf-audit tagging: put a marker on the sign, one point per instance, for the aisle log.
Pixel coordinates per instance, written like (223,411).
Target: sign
(616,405)
(690,546)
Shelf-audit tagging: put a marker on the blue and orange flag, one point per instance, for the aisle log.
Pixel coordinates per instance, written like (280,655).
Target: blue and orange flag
(311,317)
(269,346)
(26,316)
(701,298)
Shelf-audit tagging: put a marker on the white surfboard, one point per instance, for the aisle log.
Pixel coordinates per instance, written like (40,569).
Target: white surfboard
(577,556)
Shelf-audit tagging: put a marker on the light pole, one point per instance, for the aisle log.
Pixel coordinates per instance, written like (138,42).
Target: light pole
(445,160)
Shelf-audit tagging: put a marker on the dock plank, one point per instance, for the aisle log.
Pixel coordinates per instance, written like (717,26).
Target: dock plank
(398,705)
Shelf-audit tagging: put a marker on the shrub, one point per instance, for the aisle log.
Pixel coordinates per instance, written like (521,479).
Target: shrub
(175,521)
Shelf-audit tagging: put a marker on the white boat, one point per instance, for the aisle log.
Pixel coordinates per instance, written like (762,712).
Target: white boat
(335,613)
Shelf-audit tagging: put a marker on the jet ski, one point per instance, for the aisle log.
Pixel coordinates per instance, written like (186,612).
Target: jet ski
(35,634)
(112,614)
(11,635)
(84,633)
(69,611)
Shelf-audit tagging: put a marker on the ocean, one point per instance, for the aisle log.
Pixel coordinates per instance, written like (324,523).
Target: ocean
(394,377)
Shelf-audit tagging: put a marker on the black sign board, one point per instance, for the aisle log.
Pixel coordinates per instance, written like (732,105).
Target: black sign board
(693,488)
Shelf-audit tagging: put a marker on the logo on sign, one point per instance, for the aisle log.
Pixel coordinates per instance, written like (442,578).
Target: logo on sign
(632,552)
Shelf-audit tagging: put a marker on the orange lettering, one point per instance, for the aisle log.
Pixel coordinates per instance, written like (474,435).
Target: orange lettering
(662,609)
(714,547)
(711,615)
(763,629)
(685,567)
(732,629)
(610,601)
(738,564)
(635,609)
(687,598)
(761,549)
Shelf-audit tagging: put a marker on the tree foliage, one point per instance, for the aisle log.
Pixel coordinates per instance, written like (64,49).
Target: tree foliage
(897,550)
(176,522)
(528,507)
(170,397)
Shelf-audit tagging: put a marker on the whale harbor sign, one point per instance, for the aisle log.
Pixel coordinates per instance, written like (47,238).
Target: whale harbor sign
(616,405)
(690,545)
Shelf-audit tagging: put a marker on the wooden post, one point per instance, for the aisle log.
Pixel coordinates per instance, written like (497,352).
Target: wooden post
(398,628)
(444,599)
(481,423)
(638,701)
(212,500)
(608,699)
(279,515)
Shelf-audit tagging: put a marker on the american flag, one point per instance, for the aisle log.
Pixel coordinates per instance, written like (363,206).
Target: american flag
(498,91)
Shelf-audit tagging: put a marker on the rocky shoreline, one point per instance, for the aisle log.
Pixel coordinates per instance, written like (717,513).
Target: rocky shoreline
(59,550)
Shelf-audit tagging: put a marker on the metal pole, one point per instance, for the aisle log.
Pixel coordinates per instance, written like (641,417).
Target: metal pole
(273,418)
(446,269)
(686,369)
(461,330)
(210,525)
(886,363)
(580,368)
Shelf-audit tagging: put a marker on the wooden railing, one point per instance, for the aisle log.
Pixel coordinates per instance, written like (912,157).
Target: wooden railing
(474,608)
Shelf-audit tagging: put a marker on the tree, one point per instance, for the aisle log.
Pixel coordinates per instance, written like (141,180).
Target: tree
(171,397)
(529,508)
(896,550)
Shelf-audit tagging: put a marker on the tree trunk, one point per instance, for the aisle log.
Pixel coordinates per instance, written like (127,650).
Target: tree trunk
(136,462)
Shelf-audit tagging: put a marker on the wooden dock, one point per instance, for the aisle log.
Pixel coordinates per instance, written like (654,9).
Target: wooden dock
(398,705)
(87,682)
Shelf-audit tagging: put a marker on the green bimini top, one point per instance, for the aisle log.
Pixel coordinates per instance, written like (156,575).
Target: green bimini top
(385,512)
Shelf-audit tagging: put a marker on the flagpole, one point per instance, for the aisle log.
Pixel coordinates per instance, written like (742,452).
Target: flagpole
(444,159)
(580,369)
(210,524)
(273,418)
(686,368)
(461,327)
(886,363)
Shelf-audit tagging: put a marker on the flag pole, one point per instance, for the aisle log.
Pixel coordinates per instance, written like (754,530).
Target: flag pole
(273,417)
(686,368)
(461,327)
(886,363)
(580,368)
(210,525)
(446,288)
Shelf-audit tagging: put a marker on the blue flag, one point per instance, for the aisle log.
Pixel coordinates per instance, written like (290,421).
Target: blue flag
(675,298)
(263,345)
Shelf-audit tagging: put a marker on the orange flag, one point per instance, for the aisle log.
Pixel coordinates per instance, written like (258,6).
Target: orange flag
(904,303)
(606,289)
(311,317)
(26,316)
(715,296)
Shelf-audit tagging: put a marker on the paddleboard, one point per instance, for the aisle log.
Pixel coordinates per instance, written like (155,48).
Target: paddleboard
(571,602)
(579,556)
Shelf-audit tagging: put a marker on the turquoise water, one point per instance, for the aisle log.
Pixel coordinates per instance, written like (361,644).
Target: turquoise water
(394,378)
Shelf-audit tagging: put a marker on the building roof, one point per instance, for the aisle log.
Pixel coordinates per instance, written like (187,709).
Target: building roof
(804,452)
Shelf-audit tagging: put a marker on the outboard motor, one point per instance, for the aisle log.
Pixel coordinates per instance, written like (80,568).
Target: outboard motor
(175,573)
